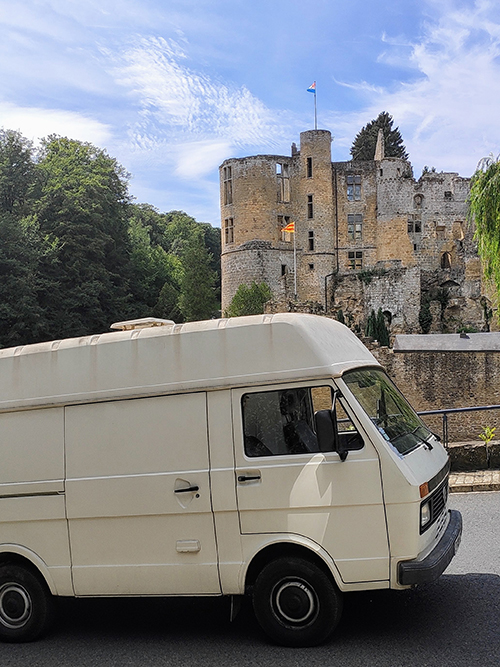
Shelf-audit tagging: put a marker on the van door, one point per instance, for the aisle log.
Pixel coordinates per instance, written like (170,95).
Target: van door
(286,485)
(138,497)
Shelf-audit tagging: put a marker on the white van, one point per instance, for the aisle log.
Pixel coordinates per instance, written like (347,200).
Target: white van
(267,455)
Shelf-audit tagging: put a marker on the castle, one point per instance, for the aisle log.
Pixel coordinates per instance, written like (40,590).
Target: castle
(367,236)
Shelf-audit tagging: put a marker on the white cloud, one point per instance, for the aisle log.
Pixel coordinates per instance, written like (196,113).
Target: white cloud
(179,104)
(448,115)
(37,123)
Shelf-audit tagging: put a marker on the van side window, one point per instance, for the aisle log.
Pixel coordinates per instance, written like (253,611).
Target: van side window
(279,423)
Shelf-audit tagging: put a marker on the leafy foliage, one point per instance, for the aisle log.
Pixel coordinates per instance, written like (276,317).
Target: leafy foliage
(249,300)
(197,299)
(365,142)
(376,327)
(76,254)
(425,316)
(484,209)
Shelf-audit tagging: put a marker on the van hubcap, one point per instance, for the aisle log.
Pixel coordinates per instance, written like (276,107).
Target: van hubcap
(295,602)
(15,605)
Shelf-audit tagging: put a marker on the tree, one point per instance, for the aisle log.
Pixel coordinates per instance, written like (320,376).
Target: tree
(363,147)
(249,300)
(198,299)
(381,327)
(22,320)
(484,209)
(17,172)
(82,207)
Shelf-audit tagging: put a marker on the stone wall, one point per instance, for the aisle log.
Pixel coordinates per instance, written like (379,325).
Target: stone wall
(439,380)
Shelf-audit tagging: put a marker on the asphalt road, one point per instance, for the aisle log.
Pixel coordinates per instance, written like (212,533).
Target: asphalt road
(454,621)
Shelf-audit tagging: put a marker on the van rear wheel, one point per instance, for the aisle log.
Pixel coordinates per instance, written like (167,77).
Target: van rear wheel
(296,603)
(26,606)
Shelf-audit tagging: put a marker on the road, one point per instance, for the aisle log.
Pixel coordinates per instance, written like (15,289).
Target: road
(454,621)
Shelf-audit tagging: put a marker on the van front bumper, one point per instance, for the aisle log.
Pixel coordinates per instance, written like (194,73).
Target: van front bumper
(432,566)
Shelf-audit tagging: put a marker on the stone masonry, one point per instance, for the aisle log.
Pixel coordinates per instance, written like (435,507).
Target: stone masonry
(367,236)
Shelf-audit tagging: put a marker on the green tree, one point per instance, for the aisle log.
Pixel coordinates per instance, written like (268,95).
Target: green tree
(198,297)
(17,173)
(371,326)
(249,300)
(22,320)
(363,147)
(425,316)
(484,209)
(382,333)
(83,208)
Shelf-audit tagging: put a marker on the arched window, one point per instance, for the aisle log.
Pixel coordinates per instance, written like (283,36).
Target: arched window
(446,260)
(418,200)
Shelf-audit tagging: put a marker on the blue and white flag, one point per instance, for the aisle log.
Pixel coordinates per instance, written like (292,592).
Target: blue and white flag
(312,88)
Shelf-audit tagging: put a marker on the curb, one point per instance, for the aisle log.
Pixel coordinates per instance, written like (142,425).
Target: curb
(480,480)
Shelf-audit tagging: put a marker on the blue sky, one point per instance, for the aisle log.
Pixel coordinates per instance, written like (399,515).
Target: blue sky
(171,88)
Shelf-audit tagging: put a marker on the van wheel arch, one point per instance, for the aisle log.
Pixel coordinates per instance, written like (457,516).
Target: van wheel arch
(282,550)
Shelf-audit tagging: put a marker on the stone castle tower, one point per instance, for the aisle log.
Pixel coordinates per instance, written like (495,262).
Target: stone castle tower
(367,236)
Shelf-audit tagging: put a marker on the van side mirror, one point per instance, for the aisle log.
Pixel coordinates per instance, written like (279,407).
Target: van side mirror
(327,433)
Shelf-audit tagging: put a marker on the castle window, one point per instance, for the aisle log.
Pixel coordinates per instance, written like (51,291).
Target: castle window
(283,182)
(310,209)
(353,187)
(440,232)
(446,260)
(283,269)
(355,226)
(283,221)
(414,226)
(448,196)
(311,240)
(418,200)
(355,259)
(309,167)
(311,267)
(229,230)
(228,186)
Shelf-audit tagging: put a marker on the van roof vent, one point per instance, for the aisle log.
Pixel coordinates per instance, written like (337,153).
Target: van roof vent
(142,323)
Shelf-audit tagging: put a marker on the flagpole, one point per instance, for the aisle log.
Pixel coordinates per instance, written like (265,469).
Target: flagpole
(295,265)
(315,113)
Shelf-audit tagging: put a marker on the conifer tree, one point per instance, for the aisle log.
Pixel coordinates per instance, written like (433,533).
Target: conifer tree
(363,147)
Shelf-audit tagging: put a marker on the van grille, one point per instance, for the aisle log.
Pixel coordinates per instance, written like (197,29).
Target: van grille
(437,503)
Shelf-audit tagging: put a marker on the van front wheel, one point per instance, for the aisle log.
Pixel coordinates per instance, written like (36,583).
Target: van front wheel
(26,605)
(296,603)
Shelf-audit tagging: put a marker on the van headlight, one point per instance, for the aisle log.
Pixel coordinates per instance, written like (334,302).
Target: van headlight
(425,514)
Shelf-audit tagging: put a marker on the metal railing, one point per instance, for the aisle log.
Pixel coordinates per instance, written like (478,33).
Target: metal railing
(449,411)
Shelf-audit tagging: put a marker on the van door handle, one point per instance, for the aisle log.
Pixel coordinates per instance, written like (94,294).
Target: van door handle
(187,489)
(247,478)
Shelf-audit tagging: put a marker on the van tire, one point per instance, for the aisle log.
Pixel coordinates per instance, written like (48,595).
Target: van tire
(296,603)
(26,605)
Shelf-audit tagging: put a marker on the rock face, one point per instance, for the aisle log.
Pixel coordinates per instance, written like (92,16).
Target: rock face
(367,236)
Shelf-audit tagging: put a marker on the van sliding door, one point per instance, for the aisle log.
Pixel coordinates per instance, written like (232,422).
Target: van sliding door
(138,497)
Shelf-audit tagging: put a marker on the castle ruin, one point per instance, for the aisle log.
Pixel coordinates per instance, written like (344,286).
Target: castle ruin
(368,235)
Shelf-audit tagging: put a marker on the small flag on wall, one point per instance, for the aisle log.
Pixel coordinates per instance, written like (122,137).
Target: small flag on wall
(312,88)
(290,228)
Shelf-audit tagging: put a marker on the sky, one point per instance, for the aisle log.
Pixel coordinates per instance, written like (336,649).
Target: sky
(171,88)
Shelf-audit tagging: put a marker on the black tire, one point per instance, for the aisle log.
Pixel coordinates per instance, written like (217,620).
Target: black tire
(26,605)
(296,603)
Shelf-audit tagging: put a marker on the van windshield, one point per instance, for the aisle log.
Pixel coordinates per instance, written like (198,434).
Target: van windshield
(387,408)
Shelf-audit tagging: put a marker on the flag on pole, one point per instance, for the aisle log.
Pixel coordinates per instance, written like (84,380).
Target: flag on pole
(312,88)
(290,228)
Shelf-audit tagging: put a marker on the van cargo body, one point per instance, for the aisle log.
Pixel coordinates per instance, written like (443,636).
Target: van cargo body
(266,455)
